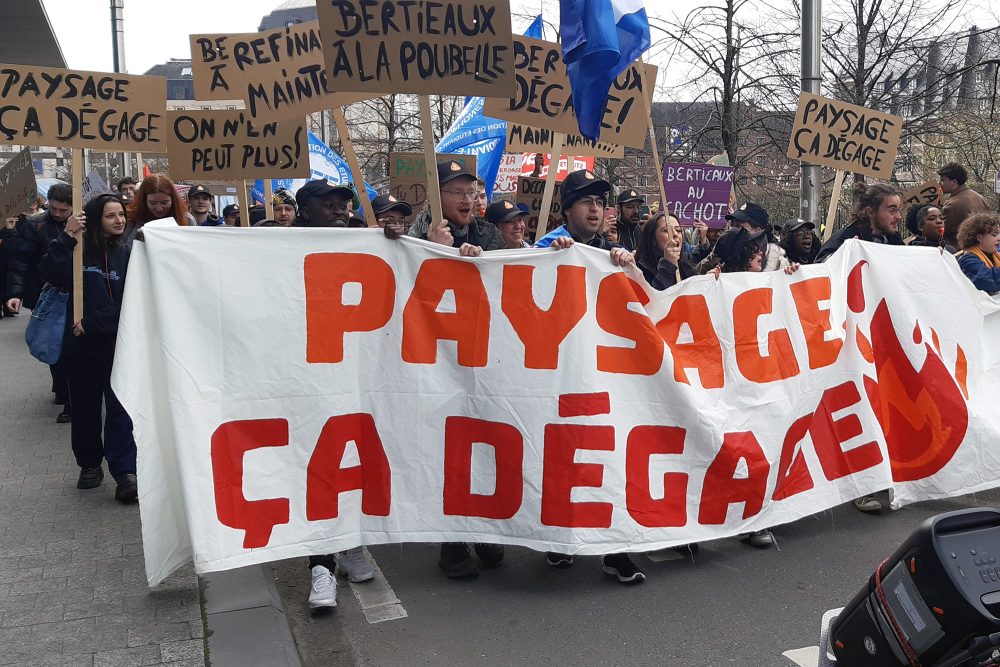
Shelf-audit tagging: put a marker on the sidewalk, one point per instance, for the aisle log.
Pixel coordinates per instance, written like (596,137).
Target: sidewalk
(72,584)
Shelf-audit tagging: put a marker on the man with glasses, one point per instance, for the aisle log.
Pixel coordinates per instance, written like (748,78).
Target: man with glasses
(798,238)
(461,228)
(876,217)
(584,197)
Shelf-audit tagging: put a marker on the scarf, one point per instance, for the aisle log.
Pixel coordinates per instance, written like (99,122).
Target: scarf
(991,261)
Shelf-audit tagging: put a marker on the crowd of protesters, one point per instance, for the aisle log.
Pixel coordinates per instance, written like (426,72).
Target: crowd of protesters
(36,251)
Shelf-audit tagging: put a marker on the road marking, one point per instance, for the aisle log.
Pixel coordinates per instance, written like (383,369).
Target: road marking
(804,657)
(376,597)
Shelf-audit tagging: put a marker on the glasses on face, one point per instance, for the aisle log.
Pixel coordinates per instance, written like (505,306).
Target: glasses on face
(592,201)
(802,232)
(894,210)
(461,194)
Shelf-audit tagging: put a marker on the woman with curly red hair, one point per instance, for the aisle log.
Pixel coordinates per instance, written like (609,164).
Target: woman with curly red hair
(155,199)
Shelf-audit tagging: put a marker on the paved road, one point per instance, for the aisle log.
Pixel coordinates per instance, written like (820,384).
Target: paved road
(72,585)
(733,605)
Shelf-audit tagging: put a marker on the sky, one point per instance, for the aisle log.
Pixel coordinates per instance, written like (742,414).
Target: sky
(156,32)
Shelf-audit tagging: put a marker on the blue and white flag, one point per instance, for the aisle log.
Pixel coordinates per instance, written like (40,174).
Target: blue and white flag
(323,162)
(472,133)
(600,39)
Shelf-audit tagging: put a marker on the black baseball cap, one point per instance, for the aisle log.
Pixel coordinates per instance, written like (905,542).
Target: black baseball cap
(231,210)
(502,211)
(752,213)
(449,170)
(729,245)
(385,203)
(321,188)
(198,190)
(626,196)
(795,224)
(579,184)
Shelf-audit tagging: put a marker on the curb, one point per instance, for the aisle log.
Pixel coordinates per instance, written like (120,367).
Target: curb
(245,619)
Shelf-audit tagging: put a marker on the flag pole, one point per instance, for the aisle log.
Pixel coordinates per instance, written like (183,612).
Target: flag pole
(647,94)
(244,199)
(268,199)
(430,159)
(77,170)
(352,162)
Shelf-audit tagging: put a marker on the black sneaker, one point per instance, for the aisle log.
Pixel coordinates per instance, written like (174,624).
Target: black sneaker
(90,478)
(456,561)
(128,488)
(64,417)
(555,559)
(621,566)
(491,555)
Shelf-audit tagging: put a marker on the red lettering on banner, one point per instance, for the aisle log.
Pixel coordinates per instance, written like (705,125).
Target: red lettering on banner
(829,434)
(460,433)
(585,405)
(704,352)
(793,472)
(328,318)
(469,325)
(816,321)
(560,474)
(779,363)
(722,488)
(671,510)
(543,331)
(326,480)
(230,442)
(614,295)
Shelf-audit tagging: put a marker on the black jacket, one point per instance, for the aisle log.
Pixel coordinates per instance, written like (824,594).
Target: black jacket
(484,234)
(801,259)
(33,237)
(664,274)
(103,287)
(628,235)
(854,232)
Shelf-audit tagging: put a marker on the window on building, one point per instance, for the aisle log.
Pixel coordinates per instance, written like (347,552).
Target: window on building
(292,23)
(185,71)
(643,181)
(640,161)
(760,161)
(179,93)
(761,141)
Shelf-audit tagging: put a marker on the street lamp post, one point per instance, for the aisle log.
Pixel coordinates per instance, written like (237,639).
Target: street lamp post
(118,54)
(812,18)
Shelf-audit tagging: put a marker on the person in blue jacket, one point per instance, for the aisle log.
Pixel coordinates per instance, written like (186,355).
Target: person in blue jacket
(89,344)
(979,237)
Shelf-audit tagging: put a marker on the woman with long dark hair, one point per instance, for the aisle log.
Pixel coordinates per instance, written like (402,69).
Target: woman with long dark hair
(89,344)
(155,199)
(659,255)
(876,216)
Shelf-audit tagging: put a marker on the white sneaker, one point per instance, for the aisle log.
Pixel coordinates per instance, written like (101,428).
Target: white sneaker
(323,592)
(354,564)
(869,504)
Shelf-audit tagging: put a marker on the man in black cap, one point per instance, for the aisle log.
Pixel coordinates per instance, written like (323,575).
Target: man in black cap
(799,240)
(511,221)
(323,203)
(460,228)
(231,215)
(285,210)
(200,207)
(583,197)
(629,214)
(390,212)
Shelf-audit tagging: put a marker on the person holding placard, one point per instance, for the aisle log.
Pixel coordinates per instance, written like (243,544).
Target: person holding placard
(962,202)
(629,205)
(979,236)
(24,283)
(89,344)
(461,228)
(876,217)
(511,221)
(155,199)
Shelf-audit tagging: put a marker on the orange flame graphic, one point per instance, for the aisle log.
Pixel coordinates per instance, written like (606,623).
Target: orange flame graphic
(923,414)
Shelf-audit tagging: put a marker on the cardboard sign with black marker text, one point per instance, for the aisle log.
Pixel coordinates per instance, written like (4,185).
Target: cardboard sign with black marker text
(278,73)
(228,145)
(529,193)
(527,139)
(51,106)
(451,47)
(925,194)
(18,188)
(408,176)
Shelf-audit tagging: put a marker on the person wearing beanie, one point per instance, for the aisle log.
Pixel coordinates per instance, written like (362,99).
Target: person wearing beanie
(285,210)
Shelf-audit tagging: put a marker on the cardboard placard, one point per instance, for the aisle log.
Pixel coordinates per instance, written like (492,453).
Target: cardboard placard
(229,145)
(17,185)
(408,176)
(698,192)
(529,193)
(94,185)
(527,139)
(51,106)
(278,73)
(844,136)
(542,96)
(926,194)
(452,47)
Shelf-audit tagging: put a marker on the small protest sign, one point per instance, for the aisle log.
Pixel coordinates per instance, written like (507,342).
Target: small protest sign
(229,145)
(278,73)
(51,106)
(844,136)
(527,139)
(452,47)
(925,194)
(698,192)
(529,193)
(542,96)
(94,185)
(408,176)
(17,185)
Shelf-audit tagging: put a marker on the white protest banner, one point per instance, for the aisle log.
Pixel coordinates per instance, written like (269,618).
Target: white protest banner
(392,391)
(94,185)
(18,188)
